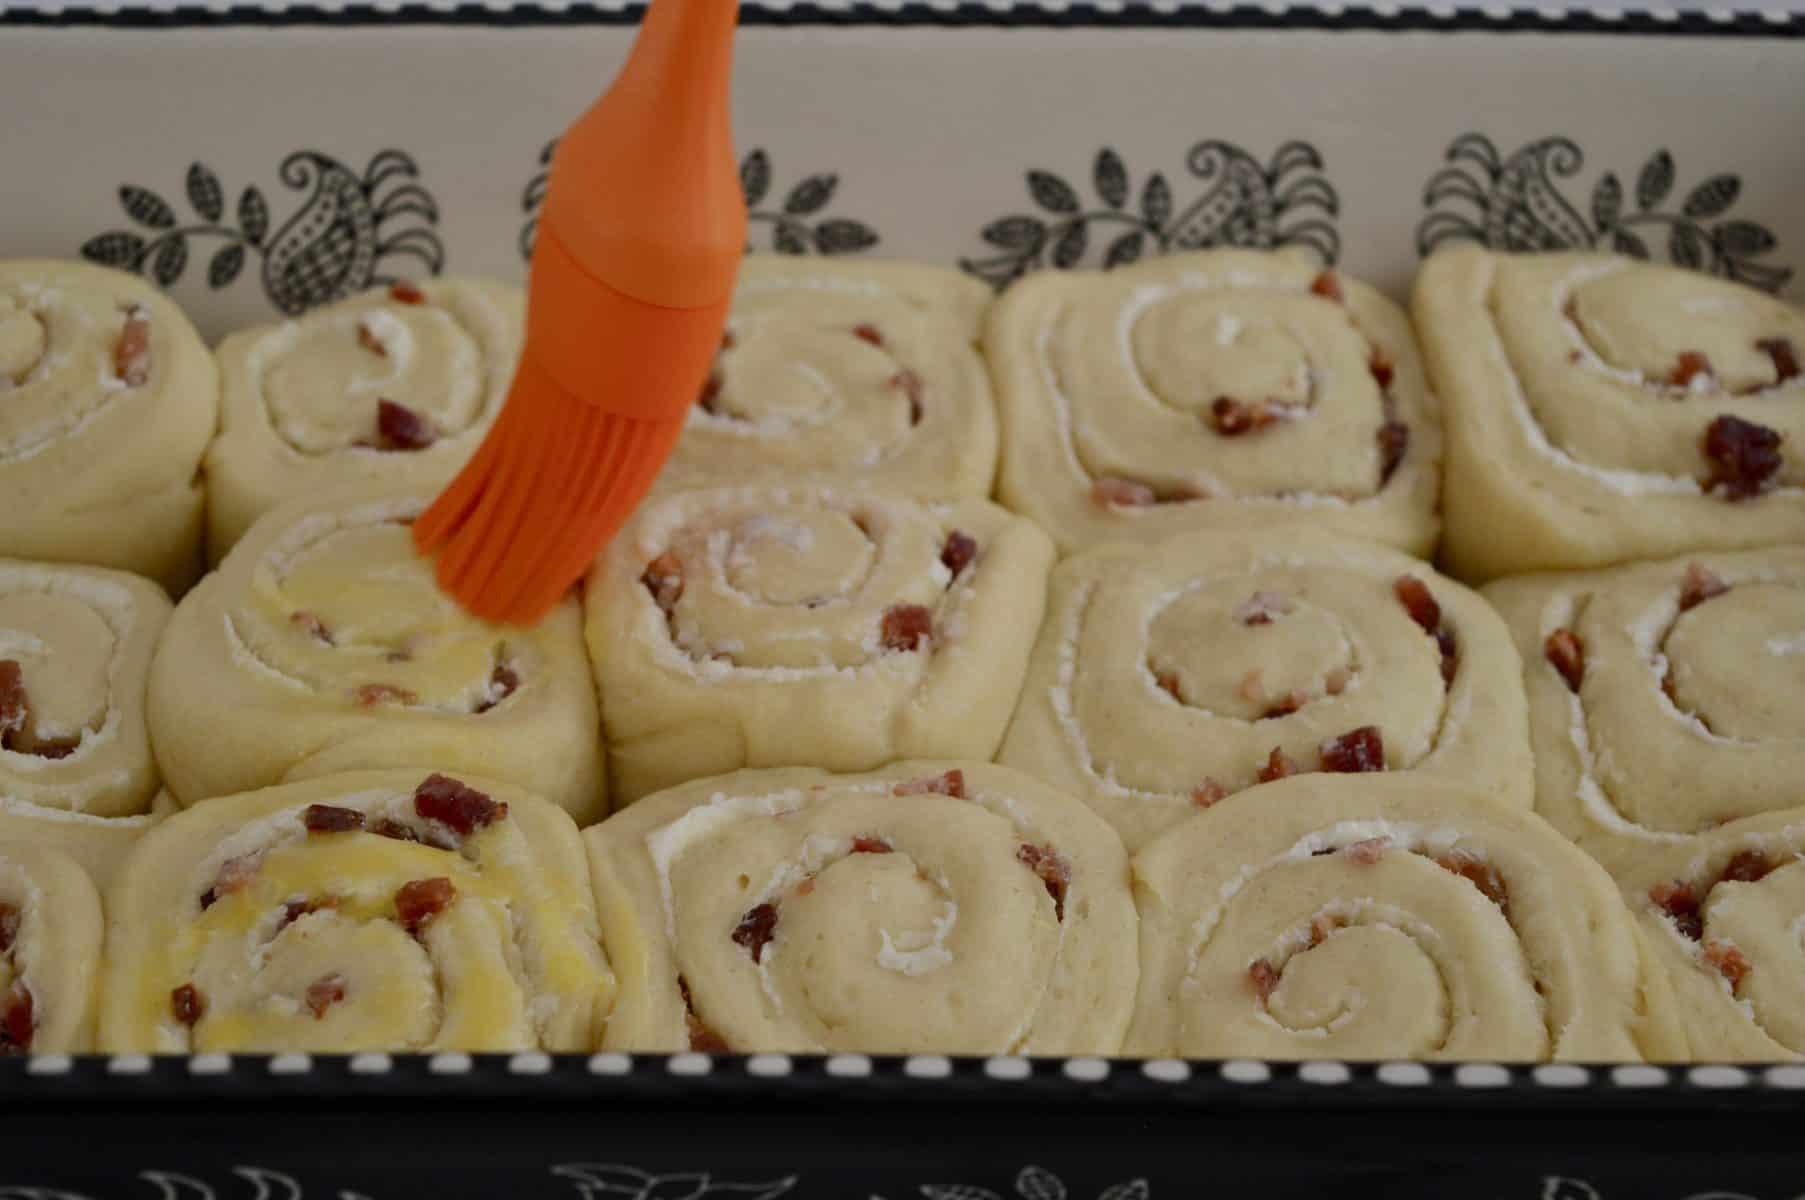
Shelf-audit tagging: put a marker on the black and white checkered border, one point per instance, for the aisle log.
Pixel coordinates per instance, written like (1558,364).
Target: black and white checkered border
(1381,15)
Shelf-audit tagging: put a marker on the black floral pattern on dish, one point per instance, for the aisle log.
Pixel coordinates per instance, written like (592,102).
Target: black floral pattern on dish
(613,1182)
(797,223)
(348,234)
(1032,1183)
(1516,203)
(1286,201)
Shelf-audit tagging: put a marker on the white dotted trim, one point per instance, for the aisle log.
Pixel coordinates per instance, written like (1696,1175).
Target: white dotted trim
(1481,1075)
(689,1066)
(449,1064)
(1562,1075)
(210,1064)
(1639,1077)
(610,1065)
(129,1064)
(1167,1070)
(292,1064)
(1403,1074)
(1327,1074)
(1243,1070)
(1086,1070)
(530,1063)
(1011,1070)
(1788,1078)
(849,1066)
(1718,1078)
(371,1064)
(928,1066)
(769,1066)
(49,1064)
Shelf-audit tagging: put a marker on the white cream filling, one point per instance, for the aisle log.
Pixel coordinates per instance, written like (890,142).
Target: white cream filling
(920,954)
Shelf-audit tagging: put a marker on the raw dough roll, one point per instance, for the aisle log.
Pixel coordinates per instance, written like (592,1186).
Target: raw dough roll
(1664,699)
(96,844)
(942,907)
(1601,409)
(324,644)
(107,400)
(396,386)
(1225,390)
(1169,677)
(810,626)
(50,939)
(847,373)
(1387,917)
(380,910)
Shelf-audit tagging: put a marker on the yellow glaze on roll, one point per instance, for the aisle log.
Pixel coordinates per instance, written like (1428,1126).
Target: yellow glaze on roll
(296,940)
(898,923)
(50,938)
(108,398)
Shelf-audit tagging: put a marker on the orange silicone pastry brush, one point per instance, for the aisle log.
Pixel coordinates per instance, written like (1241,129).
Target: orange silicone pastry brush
(632,272)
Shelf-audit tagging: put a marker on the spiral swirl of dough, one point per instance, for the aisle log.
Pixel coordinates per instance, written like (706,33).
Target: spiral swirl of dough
(50,943)
(324,644)
(850,373)
(1583,392)
(345,914)
(1168,677)
(396,386)
(1223,390)
(107,400)
(934,907)
(810,626)
(1386,916)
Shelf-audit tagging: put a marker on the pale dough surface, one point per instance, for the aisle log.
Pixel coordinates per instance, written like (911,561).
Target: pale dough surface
(1115,376)
(773,653)
(1163,669)
(95,468)
(1567,445)
(847,372)
(1383,952)
(300,398)
(55,956)
(323,644)
(513,963)
(936,937)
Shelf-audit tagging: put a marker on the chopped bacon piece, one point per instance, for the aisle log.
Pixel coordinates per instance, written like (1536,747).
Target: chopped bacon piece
(1394,443)
(131,353)
(871,845)
(1786,359)
(1381,368)
(1327,286)
(187,1005)
(909,383)
(1747,866)
(1208,793)
(1698,586)
(1567,654)
(756,929)
(419,901)
(1369,851)
(390,828)
(806,887)
(324,992)
(1288,704)
(1110,491)
(951,783)
(1232,418)
(907,627)
(371,694)
(710,396)
(329,818)
(1169,683)
(869,334)
(399,427)
(311,624)
(235,874)
(294,910)
(1265,978)
(503,681)
(10,917)
(728,341)
(1730,962)
(663,577)
(1481,875)
(1689,366)
(1744,456)
(1261,607)
(958,552)
(1054,871)
(367,340)
(406,293)
(451,802)
(1418,601)
(1449,646)
(1682,903)
(1355,751)
(1278,766)
(15,703)
(702,1039)
(17,1022)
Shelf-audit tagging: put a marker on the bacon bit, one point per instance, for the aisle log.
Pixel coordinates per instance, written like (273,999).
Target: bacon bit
(1744,456)
(1321,926)
(294,910)
(131,353)
(324,992)
(958,552)
(503,681)
(1356,751)
(1417,600)
(710,396)
(1680,902)
(329,818)
(406,293)
(311,624)
(1567,654)
(419,901)
(371,694)
(806,887)
(702,1039)
(1688,367)
(663,577)
(188,1005)
(1232,418)
(1326,286)
(1110,491)
(1394,443)
(1265,978)
(1786,359)
(868,333)
(60,748)
(1278,766)
(451,802)
(1208,794)
(1575,357)
(1369,851)
(1446,642)
(390,828)
(10,917)
(1053,869)
(399,427)
(1730,962)
(1381,368)
(1481,875)
(235,874)
(17,1023)
(15,703)
(1748,866)
(1168,683)
(871,845)
(952,783)
(756,929)
(1285,707)
(368,340)
(907,627)
(909,384)
(728,341)
(1698,586)
(1336,681)
(1261,607)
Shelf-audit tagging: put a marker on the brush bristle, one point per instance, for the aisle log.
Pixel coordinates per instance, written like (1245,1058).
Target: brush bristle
(553,482)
